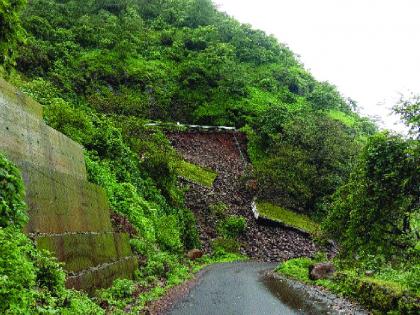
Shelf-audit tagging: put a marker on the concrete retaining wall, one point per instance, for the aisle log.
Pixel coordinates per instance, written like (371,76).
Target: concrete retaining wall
(68,215)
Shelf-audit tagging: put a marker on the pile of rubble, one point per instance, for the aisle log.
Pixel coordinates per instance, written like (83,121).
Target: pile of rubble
(220,152)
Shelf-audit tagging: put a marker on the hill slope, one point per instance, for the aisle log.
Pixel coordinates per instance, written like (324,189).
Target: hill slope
(182,60)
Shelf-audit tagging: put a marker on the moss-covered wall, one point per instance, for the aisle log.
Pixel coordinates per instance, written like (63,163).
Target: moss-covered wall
(78,206)
(82,251)
(68,215)
(25,137)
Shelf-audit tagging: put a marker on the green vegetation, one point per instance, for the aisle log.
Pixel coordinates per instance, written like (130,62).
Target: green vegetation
(297,268)
(103,69)
(345,118)
(290,218)
(301,157)
(373,213)
(12,205)
(232,226)
(409,110)
(11,31)
(196,174)
(225,246)
(31,281)
(218,210)
(184,61)
(387,291)
(229,228)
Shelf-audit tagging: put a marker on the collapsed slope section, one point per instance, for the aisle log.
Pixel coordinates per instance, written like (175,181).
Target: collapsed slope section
(224,152)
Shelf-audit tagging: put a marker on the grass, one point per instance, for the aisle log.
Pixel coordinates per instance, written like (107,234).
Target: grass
(386,291)
(122,299)
(342,117)
(196,174)
(211,260)
(296,269)
(293,219)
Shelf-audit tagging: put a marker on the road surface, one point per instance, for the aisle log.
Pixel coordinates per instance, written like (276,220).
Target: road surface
(235,288)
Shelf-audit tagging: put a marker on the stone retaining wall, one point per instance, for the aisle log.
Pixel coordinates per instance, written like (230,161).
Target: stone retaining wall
(68,215)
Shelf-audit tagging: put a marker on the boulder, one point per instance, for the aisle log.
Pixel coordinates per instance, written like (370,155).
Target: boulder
(195,254)
(321,271)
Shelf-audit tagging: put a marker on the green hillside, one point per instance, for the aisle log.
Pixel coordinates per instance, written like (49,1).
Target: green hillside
(104,68)
(185,61)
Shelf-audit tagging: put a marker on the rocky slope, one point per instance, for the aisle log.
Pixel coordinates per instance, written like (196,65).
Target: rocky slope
(220,152)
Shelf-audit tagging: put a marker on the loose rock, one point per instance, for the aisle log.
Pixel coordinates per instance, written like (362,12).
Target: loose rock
(194,254)
(321,271)
(218,151)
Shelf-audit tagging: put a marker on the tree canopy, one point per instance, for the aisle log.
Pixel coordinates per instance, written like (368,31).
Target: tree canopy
(11,31)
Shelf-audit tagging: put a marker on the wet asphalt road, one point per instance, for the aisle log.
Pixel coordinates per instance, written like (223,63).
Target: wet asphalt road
(228,289)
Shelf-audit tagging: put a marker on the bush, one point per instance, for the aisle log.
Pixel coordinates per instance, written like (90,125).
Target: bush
(121,289)
(50,275)
(232,226)
(18,274)
(11,32)
(72,302)
(374,212)
(219,210)
(12,205)
(160,264)
(31,281)
(189,232)
(168,233)
(222,246)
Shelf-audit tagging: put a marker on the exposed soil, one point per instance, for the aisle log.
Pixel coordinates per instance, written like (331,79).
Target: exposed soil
(220,152)
(121,224)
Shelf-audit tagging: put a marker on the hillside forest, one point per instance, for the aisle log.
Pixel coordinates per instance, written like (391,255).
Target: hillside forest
(104,69)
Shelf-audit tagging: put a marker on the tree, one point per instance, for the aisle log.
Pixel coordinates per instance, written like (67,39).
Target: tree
(325,96)
(308,156)
(409,110)
(11,31)
(373,211)
(200,13)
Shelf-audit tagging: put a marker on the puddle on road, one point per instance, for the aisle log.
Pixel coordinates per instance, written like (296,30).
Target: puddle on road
(295,296)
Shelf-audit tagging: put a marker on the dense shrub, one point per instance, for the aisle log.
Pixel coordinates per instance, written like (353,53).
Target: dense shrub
(31,281)
(231,227)
(12,205)
(219,210)
(11,31)
(300,157)
(17,272)
(223,246)
(375,212)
